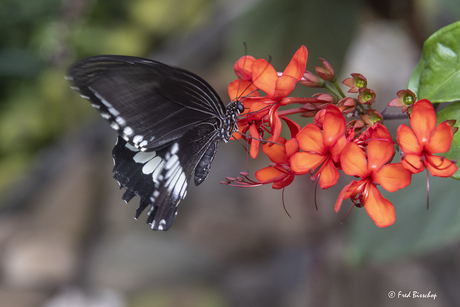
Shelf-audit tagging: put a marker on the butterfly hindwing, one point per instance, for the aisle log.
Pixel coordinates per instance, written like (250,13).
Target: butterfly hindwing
(160,178)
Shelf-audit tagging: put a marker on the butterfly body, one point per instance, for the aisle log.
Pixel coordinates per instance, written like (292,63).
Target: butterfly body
(169,122)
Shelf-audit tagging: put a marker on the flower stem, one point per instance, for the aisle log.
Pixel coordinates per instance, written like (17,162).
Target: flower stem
(333,91)
(395,116)
(336,84)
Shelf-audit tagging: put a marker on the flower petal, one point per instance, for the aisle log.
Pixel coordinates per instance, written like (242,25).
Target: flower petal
(257,110)
(413,163)
(333,125)
(397,103)
(393,177)
(269,174)
(292,146)
(408,141)
(311,139)
(423,120)
(441,139)
(242,88)
(275,123)
(255,141)
(297,65)
(279,184)
(379,153)
(336,151)
(353,161)
(284,86)
(264,76)
(346,192)
(294,127)
(329,175)
(380,209)
(379,132)
(440,166)
(303,162)
(276,152)
(242,67)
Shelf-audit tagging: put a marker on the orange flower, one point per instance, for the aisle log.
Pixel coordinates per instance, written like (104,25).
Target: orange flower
(243,66)
(372,170)
(420,143)
(279,173)
(263,76)
(321,149)
(277,86)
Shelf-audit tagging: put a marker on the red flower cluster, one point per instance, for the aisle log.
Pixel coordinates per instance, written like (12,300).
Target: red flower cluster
(363,148)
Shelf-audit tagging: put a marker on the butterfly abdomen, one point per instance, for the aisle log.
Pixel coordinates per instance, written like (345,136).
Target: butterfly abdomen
(204,165)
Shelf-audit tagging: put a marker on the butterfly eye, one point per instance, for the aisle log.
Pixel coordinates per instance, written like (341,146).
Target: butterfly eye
(240,107)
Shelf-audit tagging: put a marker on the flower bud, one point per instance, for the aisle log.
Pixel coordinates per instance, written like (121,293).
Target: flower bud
(347,104)
(310,80)
(356,82)
(326,72)
(354,127)
(366,96)
(406,98)
(319,118)
(372,117)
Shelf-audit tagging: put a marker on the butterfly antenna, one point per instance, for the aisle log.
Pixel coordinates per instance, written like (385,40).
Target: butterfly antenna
(242,71)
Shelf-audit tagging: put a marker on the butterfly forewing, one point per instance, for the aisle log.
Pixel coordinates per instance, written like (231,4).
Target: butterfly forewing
(169,122)
(147,102)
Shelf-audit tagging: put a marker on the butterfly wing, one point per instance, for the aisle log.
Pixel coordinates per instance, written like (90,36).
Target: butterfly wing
(149,103)
(168,120)
(161,177)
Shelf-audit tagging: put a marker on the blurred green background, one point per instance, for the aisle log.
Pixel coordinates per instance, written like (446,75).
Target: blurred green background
(232,248)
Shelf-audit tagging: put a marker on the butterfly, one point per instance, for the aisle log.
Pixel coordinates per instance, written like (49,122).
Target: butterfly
(169,123)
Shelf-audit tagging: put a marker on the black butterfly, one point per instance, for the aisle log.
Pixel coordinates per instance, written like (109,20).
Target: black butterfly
(169,122)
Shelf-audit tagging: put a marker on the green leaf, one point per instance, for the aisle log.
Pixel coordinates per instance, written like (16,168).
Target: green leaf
(452,112)
(437,75)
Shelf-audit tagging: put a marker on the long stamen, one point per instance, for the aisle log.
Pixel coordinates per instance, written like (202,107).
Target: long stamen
(348,213)
(427,190)
(284,204)
(316,190)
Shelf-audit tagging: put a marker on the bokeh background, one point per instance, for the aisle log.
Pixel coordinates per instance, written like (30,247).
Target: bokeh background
(67,238)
